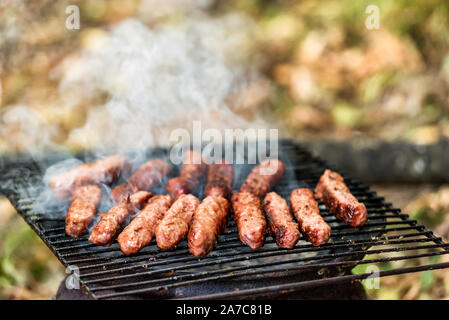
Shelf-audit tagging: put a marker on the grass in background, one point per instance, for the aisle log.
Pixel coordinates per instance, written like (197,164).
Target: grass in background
(28,269)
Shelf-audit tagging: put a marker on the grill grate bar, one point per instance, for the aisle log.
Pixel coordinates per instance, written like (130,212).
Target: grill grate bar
(304,284)
(224,271)
(258,272)
(251,257)
(114,247)
(235,237)
(215,255)
(144,255)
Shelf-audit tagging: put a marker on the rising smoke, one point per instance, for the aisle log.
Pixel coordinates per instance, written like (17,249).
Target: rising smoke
(151,81)
(160,79)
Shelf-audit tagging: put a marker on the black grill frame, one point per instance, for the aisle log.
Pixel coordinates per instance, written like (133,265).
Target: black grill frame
(105,277)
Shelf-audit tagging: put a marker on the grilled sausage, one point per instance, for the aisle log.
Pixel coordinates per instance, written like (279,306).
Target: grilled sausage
(220,177)
(147,176)
(307,213)
(209,219)
(327,175)
(192,171)
(82,210)
(249,218)
(281,225)
(104,171)
(142,228)
(263,177)
(208,222)
(110,223)
(176,222)
(337,197)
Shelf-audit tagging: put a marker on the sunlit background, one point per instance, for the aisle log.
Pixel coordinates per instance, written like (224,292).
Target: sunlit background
(311,67)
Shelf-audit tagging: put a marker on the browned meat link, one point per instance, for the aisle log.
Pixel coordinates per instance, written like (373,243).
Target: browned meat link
(332,190)
(146,177)
(263,177)
(82,210)
(220,177)
(208,222)
(176,222)
(249,218)
(281,225)
(110,223)
(104,171)
(307,213)
(319,189)
(142,228)
(192,171)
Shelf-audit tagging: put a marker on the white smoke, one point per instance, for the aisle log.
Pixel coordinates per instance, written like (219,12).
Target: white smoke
(160,79)
(26,130)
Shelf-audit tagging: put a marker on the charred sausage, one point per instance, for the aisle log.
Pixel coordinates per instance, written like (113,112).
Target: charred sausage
(263,177)
(104,171)
(110,223)
(82,210)
(208,222)
(220,177)
(147,176)
(210,218)
(142,228)
(307,213)
(280,221)
(332,190)
(249,218)
(192,171)
(176,222)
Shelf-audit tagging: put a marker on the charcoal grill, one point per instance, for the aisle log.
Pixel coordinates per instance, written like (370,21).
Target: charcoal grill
(231,270)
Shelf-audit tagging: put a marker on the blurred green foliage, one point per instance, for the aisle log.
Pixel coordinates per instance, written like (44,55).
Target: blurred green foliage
(426,22)
(381,101)
(27,267)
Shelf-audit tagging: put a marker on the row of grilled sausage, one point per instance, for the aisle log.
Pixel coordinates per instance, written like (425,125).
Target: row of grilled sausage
(179,214)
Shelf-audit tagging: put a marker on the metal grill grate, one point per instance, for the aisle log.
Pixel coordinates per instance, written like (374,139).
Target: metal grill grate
(231,270)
